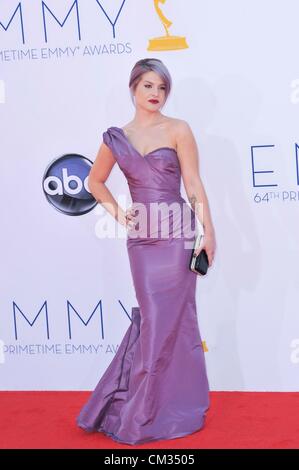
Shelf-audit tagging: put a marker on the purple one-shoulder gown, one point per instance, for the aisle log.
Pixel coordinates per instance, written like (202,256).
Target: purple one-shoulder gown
(156,386)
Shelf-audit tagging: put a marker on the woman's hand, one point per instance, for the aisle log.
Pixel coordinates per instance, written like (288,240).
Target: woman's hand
(208,242)
(129,215)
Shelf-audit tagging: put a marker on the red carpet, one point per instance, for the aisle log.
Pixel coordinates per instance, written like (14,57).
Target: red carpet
(235,420)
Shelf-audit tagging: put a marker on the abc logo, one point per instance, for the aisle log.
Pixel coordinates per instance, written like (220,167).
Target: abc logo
(65,185)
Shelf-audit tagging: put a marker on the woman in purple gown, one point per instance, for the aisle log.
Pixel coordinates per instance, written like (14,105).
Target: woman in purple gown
(156,386)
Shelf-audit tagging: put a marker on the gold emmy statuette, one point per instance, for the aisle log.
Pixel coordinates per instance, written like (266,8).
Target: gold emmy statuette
(168,42)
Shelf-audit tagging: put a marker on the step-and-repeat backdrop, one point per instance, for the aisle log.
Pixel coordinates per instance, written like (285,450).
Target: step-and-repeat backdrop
(66,287)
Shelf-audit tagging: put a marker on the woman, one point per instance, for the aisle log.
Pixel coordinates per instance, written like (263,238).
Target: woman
(156,386)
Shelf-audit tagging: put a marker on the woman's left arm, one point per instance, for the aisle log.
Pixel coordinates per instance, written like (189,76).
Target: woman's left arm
(189,163)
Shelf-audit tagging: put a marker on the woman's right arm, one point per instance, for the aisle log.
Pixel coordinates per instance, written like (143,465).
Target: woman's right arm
(98,174)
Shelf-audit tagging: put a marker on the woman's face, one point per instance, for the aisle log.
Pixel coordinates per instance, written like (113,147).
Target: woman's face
(150,87)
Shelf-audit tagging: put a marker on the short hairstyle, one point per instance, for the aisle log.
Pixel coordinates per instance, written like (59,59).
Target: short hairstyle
(146,65)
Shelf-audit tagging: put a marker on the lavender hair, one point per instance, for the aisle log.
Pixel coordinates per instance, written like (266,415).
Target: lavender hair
(146,65)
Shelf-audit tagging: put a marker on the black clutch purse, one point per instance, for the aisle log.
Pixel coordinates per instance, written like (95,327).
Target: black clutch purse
(200,263)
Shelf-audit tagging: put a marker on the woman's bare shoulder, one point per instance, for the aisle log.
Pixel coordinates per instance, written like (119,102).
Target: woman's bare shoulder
(180,130)
(126,127)
(180,125)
